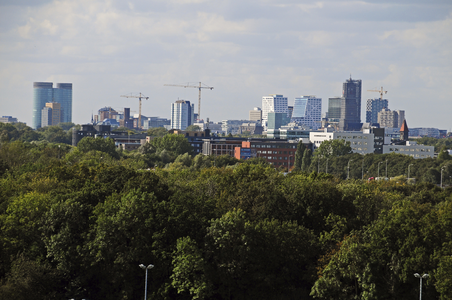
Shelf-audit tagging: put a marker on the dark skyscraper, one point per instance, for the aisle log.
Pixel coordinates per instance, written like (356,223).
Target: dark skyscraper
(373,107)
(351,106)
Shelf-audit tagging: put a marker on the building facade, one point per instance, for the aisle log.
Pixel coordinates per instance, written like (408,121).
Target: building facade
(373,107)
(351,106)
(43,92)
(256,114)
(307,110)
(360,142)
(412,149)
(182,114)
(273,103)
(51,114)
(334,109)
(388,118)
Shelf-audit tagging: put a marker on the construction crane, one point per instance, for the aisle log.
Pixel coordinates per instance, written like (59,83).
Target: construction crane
(140,96)
(199,87)
(379,91)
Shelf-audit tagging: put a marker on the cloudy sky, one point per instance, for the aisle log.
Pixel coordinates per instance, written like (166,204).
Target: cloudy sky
(244,49)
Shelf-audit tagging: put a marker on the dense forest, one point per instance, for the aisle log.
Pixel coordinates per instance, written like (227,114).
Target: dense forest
(76,223)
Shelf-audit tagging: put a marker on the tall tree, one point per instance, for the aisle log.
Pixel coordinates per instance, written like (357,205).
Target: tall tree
(299,155)
(306,161)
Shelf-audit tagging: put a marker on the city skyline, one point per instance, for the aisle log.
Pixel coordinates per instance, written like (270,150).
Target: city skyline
(246,50)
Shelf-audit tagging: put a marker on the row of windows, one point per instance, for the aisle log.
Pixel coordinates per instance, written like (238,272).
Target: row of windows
(274,152)
(275,146)
(354,137)
(412,149)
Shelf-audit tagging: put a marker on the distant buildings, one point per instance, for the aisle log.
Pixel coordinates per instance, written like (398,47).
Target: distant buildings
(373,107)
(51,114)
(256,114)
(334,109)
(273,103)
(391,119)
(307,110)
(182,114)
(43,92)
(8,119)
(351,106)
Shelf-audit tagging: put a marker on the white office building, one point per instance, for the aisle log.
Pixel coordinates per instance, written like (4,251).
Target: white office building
(182,114)
(307,110)
(360,142)
(273,103)
(412,149)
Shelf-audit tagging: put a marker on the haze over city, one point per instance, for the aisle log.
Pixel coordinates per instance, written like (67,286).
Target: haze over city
(244,49)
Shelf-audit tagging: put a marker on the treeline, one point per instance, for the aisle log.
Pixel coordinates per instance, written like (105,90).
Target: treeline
(77,221)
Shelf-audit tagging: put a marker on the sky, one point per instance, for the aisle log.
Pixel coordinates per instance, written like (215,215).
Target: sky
(245,49)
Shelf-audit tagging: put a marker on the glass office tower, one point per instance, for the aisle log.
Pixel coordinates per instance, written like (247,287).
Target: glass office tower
(43,92)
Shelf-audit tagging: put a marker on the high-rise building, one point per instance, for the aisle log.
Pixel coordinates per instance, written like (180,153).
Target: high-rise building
(273,103)
(182,114)
(373,107)
(276,120)
(388,118)
(51,114)
(334,109)
(400,117)
(256,114)
(308,111)
(43,92)
(351,106)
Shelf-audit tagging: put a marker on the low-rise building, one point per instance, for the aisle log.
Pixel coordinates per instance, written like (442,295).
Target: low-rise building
(412,149)
(360,142)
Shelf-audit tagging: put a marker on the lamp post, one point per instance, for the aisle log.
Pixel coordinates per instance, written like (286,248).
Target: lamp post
(327,166)
(146,279)
(386,169)
(441,184)
(348,169)
(379,169)
(420,277)
(409,171)
(362,169)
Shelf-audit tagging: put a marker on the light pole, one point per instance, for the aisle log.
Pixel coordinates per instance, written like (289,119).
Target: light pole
(362,169)
(441,184)
(386,169)
(420,277)
(409,171)
(348,169)
(146,279)
(379,169)
(327,166)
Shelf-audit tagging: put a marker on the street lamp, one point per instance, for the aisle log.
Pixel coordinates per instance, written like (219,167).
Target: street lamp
(409,171)
(362,169)
(420,277)
(348,168)
(327,166)
(146,279)
(386,169)
(441,185)
(379,169)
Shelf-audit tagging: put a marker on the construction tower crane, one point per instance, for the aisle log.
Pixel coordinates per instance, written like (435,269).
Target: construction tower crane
(140,96)
(379,91)
(199,87)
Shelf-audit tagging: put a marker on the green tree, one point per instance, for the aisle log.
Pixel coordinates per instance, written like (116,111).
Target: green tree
(177,144)
(193,128)
(306,161)
(333,148)
(444,154)
(107,145)
(299,155)
(157,131)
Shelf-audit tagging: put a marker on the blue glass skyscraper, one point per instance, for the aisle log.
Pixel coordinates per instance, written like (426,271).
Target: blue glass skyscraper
(43,92)
(308,111)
